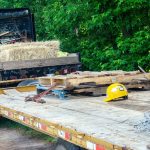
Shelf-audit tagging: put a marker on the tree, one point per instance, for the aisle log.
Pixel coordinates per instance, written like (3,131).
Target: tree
(108,34)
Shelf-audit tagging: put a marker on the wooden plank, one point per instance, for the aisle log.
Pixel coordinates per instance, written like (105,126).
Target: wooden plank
(97,91)
(106,73)
(101,89)
(39,63)
(108,79)
(139,84)
(75,81)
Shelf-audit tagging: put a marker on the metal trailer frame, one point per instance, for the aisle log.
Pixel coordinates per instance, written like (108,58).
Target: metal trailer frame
(11,75)
(55,130)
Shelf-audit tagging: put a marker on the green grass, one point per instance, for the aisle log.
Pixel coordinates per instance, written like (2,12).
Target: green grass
(5,123)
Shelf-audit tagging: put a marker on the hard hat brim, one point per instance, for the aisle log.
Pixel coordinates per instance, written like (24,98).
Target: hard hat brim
(107,99)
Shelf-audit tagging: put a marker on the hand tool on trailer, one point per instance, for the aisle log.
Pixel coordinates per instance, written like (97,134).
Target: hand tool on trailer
(38,98)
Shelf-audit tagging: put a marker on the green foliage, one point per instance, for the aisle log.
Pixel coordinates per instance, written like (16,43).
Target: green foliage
(108,34)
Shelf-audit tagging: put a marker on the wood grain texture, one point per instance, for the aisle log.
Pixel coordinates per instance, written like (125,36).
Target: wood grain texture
(38,63)
(133,80)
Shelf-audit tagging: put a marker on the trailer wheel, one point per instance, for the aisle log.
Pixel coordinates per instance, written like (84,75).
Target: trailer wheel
(28,83)
(64,145)
(38,91)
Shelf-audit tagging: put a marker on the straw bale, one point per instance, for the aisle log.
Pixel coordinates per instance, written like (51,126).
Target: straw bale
(29,51)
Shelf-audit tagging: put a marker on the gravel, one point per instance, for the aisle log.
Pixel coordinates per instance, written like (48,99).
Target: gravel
(143,125)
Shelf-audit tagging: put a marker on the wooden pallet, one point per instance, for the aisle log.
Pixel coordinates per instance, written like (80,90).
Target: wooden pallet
(133,79)
(96,83)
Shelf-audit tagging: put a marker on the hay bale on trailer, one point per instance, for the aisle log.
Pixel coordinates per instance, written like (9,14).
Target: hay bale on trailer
(29,51)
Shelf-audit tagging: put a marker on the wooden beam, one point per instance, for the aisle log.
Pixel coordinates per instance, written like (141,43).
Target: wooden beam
(77,80)
(39,63)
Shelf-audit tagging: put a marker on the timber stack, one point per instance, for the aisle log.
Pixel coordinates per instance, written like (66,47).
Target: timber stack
(97,82)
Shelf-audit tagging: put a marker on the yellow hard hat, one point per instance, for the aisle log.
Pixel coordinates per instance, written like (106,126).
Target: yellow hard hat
(116,91)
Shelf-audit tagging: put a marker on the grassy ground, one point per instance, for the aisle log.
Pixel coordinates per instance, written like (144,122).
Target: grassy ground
(5,123)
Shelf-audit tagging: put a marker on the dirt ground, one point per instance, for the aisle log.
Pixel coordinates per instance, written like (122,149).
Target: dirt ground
(11,139)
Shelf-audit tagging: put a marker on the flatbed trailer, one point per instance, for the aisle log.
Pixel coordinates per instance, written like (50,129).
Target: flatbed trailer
(84,121)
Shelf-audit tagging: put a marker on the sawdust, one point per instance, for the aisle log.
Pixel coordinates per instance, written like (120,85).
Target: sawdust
(29,51)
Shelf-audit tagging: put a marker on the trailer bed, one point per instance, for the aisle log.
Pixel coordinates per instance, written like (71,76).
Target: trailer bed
(86,121)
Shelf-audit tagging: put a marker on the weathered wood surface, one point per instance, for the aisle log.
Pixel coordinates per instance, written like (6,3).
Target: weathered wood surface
(131,79)
(101,89)
(113,122)
(39,63)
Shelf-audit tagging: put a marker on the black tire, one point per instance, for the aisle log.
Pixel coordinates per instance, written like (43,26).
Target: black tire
(64,145)
(38,91)
(28,83)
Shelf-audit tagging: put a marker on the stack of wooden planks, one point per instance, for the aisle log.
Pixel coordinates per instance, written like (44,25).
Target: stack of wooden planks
(81,81)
